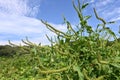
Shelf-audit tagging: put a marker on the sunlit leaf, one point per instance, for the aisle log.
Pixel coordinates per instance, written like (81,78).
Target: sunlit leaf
(85,5)
(77,68)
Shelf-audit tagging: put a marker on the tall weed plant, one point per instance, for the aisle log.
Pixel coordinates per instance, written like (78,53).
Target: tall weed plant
(89,57)
(71,55)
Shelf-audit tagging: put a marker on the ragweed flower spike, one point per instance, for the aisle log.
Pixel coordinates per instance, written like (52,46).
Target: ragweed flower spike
(69,26)
(58,32)
(104,22)
(101,19)
(119,29)
(14,45)
(27,42)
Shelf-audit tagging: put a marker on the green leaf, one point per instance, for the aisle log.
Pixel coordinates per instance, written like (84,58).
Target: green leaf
(77,68)
(100,78)
(115,65)
(87,17)
(84,5)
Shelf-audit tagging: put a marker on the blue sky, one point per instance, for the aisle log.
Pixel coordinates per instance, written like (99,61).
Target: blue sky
(21,18)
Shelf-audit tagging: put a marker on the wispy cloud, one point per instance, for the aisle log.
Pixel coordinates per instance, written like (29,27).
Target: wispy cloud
(19,7)
(19,24)
(108,9)
(91,1)
(16,28)
(17,20)
(102,3)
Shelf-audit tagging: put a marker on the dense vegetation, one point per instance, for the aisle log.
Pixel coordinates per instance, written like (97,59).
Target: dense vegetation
(78,54)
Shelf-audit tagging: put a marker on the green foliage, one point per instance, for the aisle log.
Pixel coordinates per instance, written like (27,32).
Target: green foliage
(7,51)
(72,55)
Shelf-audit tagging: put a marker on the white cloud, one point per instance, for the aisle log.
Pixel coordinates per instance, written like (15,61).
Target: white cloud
(102,3)
(19,7)
(115,18)
(15,28)
(92,1)
(16,22)
(19,24)
(108,9)
(113,12)
(105,2)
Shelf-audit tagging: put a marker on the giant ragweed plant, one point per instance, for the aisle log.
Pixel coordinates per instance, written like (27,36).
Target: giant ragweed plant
(90,56)
(71,55)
